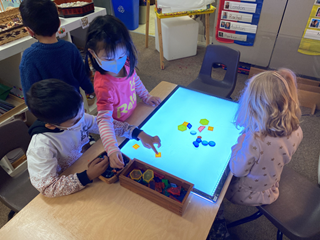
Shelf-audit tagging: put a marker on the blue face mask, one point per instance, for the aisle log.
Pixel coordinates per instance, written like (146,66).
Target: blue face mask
(111,66)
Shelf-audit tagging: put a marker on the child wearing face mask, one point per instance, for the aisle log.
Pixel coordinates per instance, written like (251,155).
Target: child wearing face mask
(58,137)
(116,82)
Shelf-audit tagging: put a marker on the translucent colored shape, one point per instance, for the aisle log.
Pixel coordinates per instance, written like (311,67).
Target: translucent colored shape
(201,128)
(204,143)
(212,143)
(148,175)
(199,137)
(173,185)
(193,132)
(189,126)
(198,140)
(174,191)
(185,124)
(182,127)
(135,174)
(158,155)
(166,182)
(204,121)
(196,144)
(210,128)
(136,146)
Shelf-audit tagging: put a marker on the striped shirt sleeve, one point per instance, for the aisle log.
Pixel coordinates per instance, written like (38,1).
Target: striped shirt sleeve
(141,89)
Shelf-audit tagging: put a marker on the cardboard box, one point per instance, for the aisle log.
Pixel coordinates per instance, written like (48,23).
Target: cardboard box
(152,195)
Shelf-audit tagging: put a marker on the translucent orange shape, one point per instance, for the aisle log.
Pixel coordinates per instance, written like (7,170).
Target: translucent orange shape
(158,155)
(136,146)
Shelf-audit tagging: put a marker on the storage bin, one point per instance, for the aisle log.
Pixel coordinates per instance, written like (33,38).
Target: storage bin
(128,12)
(179,37)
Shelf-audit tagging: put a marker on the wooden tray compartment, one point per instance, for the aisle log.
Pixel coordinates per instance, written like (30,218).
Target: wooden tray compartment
(152,195)
(17,112)
(115,177)
(75,11)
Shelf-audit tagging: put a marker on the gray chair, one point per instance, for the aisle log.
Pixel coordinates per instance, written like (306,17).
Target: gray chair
(296,213)
(15,192)
(216,54)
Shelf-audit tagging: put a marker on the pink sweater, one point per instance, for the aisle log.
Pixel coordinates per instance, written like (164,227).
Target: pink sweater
(116,99)
(257,166)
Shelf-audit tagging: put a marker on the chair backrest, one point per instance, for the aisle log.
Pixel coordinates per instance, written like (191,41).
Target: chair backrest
(223,55)
(13,135)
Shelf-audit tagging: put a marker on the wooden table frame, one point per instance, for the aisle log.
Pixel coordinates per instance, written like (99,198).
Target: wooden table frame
(109,211)
(161,15)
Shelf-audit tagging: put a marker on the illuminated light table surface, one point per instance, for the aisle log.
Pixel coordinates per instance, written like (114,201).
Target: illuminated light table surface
(103,211)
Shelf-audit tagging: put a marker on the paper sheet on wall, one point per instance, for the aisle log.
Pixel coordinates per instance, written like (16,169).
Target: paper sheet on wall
(183,5)
(310,42)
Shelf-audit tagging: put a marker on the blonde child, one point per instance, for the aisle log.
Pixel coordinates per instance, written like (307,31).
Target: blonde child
(269,115)
(116,82)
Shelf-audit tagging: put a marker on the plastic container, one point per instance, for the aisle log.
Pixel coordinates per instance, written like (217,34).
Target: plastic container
(128,12)
(179,37)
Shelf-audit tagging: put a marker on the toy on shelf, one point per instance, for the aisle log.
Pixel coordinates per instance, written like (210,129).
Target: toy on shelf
(71,8)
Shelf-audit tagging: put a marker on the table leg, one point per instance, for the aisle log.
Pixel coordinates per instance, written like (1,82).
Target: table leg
(147,22)
(160,43)
(207,29)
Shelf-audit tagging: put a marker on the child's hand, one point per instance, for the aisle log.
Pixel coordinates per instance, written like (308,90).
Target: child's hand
(97,167)
(149,141)
(154,101)
(116,160)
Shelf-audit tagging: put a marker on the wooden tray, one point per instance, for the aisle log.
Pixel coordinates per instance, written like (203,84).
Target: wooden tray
(152,195)
(115,177)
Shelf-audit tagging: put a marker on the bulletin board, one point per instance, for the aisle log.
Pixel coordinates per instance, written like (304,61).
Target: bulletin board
(237,21)
(310,42)
(9,3)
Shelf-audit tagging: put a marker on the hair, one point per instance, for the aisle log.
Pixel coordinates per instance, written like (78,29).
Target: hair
(53,101)
(107,33)
(269,104)
(41,16)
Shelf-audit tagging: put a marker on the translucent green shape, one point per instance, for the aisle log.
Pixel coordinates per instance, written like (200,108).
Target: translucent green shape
(182,127)
(148,175)
(204,121)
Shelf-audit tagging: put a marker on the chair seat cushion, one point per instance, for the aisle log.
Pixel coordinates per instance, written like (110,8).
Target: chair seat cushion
(18,192)
(296,212)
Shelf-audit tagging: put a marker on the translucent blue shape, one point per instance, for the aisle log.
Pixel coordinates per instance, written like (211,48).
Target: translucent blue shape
(196,144)
(198,140)
(203,166)
(193,132)
(204,143)
(212,143)
(189,125)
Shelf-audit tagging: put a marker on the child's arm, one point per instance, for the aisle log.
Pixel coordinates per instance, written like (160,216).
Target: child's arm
(244,154)
(143,92)
(43,165)
(28,75)
(81,74)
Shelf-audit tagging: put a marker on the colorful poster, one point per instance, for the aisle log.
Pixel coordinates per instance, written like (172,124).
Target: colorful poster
(238,21)
(310,42)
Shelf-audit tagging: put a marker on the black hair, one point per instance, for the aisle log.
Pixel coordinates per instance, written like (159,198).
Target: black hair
(110,31)
(53,101)
(41,16)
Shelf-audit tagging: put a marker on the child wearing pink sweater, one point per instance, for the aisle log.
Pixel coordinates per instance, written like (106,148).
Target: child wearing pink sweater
(116,82)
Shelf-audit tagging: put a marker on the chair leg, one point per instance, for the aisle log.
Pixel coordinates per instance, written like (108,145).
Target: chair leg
(10,215)
(160,43)
(147,22)
(245,220)
(279,235)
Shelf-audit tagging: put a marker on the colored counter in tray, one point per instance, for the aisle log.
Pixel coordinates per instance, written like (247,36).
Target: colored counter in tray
(156,185)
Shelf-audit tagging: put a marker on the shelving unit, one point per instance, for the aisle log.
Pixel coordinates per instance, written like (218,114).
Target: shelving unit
(10,57)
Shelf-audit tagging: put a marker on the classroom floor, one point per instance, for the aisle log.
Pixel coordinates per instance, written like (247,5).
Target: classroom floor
(142,27)
(184,71)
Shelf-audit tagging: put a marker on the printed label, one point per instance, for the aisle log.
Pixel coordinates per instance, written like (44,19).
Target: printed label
(241,27)
(232,36)
(241,7)
(242,17)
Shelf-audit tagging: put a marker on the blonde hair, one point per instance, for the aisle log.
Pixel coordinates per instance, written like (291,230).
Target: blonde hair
(269,104)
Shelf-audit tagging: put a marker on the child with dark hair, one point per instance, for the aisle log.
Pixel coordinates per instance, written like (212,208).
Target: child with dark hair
(49,57)
(58,136)
(116,83)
